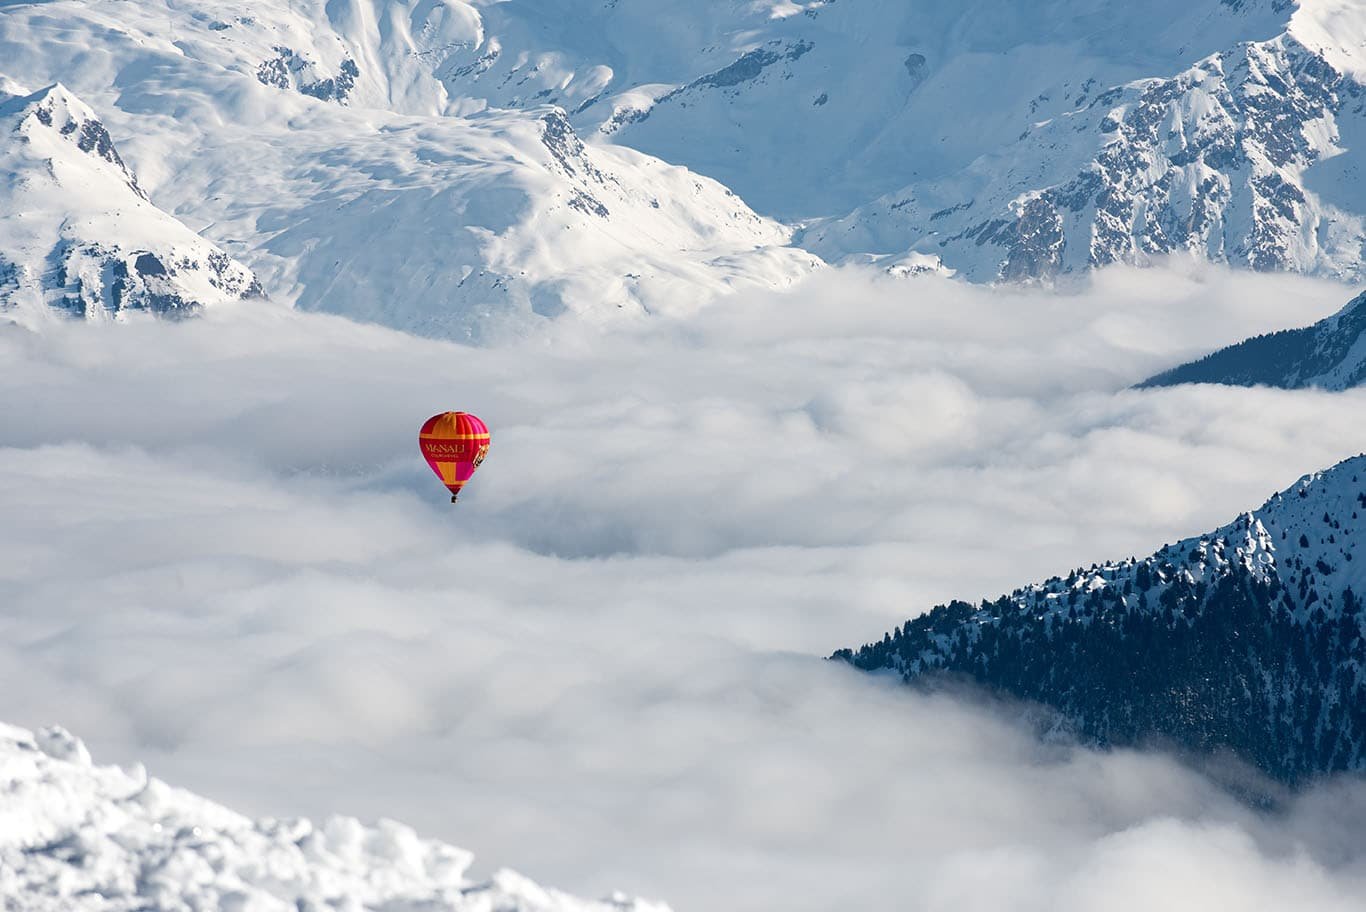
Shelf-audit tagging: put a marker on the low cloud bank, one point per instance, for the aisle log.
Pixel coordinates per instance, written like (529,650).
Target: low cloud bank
(224,556)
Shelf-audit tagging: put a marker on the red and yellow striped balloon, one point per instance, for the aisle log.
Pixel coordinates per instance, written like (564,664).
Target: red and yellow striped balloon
(454,444)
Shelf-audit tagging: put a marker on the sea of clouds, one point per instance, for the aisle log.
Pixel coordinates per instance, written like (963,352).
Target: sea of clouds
(223,555)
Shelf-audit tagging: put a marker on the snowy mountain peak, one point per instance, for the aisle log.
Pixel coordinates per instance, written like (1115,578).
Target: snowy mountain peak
(82,237)
(1233,159)
(1316,527)
(1250,638)
(78,836)
(53,120)
(322,144)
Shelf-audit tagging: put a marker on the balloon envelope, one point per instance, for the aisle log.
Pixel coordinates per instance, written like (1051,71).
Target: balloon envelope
(454,444)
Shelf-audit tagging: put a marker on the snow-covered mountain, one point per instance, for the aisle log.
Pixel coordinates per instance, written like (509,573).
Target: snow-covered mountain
(469,169)
(314,142)
(1331,354)
(80,236)
(1011,140)
(76,836)
(1250,638)
(812,108)
(1238,159)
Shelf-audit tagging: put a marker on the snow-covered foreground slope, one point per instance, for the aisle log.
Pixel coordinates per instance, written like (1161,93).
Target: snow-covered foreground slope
(313,142)
(1331,354)
(1250,638)
(77,233)
(77,836)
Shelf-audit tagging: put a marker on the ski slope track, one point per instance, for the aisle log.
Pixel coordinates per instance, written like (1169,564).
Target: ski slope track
(76,836)
(1251,638)
(313,143)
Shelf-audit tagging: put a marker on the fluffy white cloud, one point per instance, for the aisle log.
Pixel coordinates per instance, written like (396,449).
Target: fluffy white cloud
(222,554)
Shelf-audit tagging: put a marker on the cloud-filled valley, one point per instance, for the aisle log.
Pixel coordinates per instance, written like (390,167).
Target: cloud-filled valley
(224,556)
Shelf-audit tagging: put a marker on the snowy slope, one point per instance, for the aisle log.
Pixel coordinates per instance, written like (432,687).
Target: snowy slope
(470,169)
(1243,158)
(313,142)
(75,836)
(1249,638)
(1011,140)
(81,236)
(813,107)
(1331,354)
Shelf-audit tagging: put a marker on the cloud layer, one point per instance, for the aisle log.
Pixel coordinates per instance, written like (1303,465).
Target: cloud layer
(223,555)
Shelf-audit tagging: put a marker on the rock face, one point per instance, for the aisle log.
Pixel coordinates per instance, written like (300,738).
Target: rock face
(77,836)
(1331,354)
(82,238)
(1247,639)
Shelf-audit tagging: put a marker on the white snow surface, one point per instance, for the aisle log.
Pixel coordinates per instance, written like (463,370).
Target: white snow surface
(312,141)
(1337,30)
(814,107)
(894,126)
(80,235)
(77,836)
(1247,157)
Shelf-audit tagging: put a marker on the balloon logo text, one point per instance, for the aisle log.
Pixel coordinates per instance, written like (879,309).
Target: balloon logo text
(454,445)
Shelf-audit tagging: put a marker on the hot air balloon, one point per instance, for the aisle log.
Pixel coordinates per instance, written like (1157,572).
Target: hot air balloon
(454,444)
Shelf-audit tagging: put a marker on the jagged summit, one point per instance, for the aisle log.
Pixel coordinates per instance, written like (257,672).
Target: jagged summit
(1249,638)
(80,235)
(1330,354)
(54,115)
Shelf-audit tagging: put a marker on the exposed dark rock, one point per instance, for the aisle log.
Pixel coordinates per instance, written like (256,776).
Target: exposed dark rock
(147,264)
(1037,242)
(750,65)
(286,69)
(587,204)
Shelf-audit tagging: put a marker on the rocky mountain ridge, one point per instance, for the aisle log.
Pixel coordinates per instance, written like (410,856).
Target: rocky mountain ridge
(1250,639)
